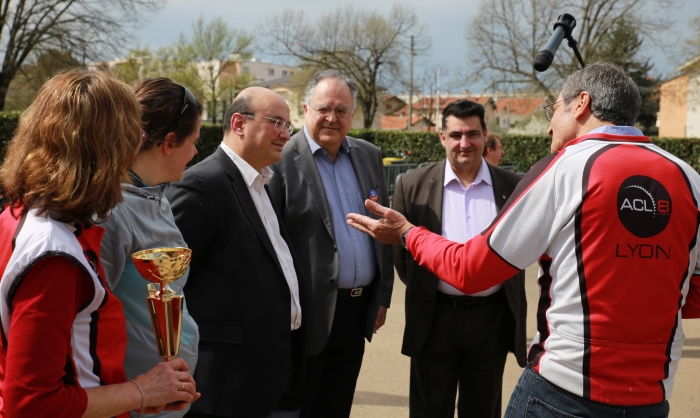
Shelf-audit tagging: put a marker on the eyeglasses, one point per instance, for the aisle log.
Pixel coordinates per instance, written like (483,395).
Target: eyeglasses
(340,112)
(549,110)
(278,122)
(188,101)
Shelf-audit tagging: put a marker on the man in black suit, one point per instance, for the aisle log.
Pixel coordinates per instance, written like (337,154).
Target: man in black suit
(346,278)
(242,289)
(455,339)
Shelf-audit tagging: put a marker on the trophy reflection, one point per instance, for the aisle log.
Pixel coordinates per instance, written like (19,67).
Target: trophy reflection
(162,266)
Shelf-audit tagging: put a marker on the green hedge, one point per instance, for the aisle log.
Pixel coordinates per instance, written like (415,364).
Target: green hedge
(521,152)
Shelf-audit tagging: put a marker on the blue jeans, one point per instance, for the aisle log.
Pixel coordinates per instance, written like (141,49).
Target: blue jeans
(534,396)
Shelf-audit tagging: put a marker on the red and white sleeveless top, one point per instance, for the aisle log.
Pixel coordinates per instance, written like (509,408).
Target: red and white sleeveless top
(98,335)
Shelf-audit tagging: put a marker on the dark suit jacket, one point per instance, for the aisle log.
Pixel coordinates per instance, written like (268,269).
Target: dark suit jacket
(298,194)
(418,195)
(236,292)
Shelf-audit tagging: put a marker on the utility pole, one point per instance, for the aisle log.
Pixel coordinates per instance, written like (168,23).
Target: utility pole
(438,120)
(410,87)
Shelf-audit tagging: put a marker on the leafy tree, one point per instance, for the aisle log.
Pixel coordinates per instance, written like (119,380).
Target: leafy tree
(85,28)
(506,35)
(213,49)
(367,46)
(142,63)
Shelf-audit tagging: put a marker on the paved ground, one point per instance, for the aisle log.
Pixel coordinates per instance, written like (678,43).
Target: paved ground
(382,389)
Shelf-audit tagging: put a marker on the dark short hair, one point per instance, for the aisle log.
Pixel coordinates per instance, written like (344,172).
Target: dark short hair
(161,99)
(241,104)
(491,142)
(462,109)
(336,74)
(615,97)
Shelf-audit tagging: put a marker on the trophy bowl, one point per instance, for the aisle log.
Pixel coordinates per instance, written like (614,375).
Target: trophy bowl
(162,266)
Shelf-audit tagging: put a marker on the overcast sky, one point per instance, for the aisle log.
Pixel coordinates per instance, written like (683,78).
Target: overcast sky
(445,20)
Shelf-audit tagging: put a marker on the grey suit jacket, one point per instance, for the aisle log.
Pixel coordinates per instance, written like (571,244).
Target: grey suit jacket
(298,194)
(418,196)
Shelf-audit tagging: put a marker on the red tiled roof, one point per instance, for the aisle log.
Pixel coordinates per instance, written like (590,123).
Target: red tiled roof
(520,105)
(397,122)
(429,102)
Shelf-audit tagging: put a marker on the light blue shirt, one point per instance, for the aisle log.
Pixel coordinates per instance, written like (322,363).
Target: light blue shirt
(356,259)
(617,130)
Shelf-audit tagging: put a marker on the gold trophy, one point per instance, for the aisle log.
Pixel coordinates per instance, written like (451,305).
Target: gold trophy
(162,266)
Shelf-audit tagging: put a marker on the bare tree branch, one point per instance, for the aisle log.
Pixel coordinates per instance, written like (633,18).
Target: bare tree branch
(86,28)
(506,35)
(367,46)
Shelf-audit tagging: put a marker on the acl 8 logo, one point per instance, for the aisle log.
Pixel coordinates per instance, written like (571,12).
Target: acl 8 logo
(644,206)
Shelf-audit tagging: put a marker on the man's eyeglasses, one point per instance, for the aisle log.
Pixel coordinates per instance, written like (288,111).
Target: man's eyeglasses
(188,101)
(279,123)
(549,110)
(323,110)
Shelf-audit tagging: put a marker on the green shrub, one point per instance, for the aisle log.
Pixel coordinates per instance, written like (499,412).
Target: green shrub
(521,151)
(210,136)
(8,124)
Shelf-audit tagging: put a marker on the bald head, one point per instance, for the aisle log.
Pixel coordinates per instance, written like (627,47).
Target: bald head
(246,101)
(256,126)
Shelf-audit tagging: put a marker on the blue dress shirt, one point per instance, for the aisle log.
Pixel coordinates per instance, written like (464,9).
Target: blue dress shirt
(356,259)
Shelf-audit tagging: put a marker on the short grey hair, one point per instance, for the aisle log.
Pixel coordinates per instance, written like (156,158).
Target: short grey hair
(615,97)
(338,75)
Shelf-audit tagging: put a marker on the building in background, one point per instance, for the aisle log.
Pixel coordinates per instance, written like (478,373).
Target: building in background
(514,110)
(427,110)
(679,107)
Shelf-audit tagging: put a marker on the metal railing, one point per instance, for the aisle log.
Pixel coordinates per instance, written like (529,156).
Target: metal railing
(392,171)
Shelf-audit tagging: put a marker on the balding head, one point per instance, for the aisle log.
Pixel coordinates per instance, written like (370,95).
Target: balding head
(244,103)
(255,126)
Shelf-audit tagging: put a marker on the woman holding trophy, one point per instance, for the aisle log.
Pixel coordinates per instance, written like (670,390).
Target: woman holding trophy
(171,119)
(62,332)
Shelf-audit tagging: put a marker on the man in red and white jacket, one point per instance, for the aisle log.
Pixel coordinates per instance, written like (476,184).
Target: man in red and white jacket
(613,221)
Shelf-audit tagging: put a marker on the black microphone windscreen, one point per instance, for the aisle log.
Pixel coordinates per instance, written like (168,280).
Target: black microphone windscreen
(543,60)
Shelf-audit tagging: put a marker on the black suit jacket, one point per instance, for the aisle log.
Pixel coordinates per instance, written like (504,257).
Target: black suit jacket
(298,194)
(418,196)
(236,292)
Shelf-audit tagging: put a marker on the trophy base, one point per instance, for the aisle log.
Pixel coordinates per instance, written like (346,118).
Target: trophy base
(166,318)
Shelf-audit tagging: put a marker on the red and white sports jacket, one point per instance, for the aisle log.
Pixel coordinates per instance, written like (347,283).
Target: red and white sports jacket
(613,221)
(93,351)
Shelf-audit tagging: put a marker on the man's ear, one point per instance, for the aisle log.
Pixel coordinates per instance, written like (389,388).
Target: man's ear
(238,122)
(582,104)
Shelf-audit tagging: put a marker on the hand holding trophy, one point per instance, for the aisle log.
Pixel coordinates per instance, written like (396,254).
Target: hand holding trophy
(162,266)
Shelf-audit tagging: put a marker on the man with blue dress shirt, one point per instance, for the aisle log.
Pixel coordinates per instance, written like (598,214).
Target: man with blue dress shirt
(347,277)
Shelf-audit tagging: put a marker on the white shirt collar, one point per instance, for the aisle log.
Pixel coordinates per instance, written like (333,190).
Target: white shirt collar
(247,171)
(483,175)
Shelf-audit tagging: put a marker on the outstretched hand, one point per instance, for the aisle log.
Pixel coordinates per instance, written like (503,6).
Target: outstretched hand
(386,230)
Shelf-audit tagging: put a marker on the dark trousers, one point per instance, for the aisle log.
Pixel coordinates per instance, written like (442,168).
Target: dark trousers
(330,377)
(466,349)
